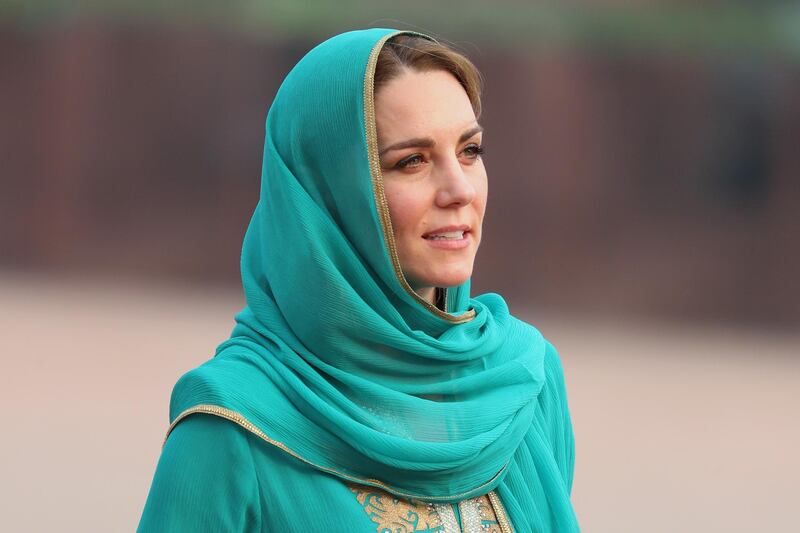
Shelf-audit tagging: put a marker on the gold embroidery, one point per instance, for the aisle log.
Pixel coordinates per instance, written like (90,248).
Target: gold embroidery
(488,517)
(502,517)
(393,514)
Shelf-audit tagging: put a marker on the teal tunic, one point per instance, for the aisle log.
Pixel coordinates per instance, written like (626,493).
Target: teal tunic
(214,475)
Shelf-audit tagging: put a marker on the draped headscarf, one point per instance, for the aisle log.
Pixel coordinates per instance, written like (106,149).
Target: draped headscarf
(334,358)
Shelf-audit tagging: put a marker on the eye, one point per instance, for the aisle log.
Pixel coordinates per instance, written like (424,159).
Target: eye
(411,161)
(473,151)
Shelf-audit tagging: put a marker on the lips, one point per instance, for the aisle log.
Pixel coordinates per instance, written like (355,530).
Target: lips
(447,233)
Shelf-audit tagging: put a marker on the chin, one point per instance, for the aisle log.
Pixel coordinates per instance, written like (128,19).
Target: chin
(452,282)
(449,279)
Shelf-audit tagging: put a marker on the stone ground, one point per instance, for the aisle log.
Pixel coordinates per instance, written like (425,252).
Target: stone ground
(678,429)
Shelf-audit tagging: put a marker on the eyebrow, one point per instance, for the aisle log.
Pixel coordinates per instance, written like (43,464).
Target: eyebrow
(427,142)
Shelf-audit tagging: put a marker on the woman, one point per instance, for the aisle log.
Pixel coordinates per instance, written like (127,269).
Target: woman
(362,388)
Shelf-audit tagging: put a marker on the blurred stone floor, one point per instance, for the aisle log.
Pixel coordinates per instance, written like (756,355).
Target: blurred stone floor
(678,429)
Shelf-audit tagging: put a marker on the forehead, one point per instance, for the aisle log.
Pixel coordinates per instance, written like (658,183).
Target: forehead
(422,103)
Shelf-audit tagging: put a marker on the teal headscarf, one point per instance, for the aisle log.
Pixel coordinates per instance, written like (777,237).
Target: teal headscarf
(335,359)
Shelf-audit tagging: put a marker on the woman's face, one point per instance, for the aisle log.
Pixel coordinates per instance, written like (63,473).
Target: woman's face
(433,176)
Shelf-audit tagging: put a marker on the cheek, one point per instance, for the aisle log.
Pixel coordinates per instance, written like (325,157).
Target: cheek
(405,208)
(481,194)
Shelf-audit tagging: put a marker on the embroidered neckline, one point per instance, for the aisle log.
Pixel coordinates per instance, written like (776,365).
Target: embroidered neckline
(389,512)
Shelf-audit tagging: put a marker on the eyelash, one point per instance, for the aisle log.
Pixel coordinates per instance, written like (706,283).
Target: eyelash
(476,151)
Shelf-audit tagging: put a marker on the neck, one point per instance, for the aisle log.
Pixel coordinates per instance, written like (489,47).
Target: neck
(428,294)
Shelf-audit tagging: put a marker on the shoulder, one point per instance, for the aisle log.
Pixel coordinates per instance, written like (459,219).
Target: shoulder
(205,479)
(553,421)
(553,396)
(208,436)
(554,370)
(544,357)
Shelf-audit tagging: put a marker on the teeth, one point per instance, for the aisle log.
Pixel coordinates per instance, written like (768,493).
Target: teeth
(450,235)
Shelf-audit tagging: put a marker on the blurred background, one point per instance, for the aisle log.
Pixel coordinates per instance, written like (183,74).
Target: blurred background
(644,171)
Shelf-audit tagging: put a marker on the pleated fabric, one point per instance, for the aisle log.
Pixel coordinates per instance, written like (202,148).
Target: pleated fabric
(337,363)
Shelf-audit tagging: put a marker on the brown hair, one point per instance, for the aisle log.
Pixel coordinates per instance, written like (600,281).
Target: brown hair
(420,53)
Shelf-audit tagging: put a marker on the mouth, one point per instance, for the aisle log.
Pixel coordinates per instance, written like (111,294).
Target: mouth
(449,238)
(448,233)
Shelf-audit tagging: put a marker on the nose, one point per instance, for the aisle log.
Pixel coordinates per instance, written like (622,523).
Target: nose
(455,189)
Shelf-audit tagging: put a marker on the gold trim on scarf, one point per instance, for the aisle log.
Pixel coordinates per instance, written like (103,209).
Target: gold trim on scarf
(237,418)
(377,184)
